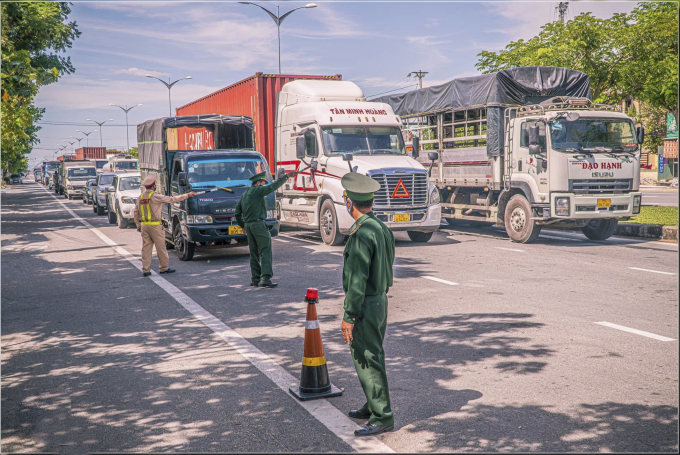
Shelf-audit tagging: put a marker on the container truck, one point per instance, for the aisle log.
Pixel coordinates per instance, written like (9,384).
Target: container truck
(329,121)
(223,160)
(87,153)
(121,163)
(526,148)
(73,176)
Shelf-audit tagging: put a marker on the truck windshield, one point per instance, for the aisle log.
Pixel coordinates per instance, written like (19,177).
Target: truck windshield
(594,135)
(129,183)
(363,140)
(100,163)
(81,172)
(224,172)
(125,165)
(50,167)
(106,180)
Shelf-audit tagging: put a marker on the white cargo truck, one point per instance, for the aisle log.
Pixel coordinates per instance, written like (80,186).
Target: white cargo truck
(527,148)
(331,125)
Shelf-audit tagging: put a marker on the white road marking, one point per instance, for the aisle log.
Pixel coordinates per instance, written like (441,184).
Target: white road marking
(635,331)
(337,422)
(508,249)
(280,240)
(337,254)
(288,236)
(653,271)
(439,280)
(558,238)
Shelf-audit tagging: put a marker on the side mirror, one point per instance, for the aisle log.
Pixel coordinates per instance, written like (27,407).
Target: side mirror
(534,147)
(110,189)
(280,172)
(416,146)
(348,157)
(572,116)
(640,130)
(311,148)
(300,147)
(433,156)
(182,179)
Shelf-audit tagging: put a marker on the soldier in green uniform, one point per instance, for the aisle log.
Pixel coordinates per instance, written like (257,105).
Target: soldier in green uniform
(251,212)
(366,278)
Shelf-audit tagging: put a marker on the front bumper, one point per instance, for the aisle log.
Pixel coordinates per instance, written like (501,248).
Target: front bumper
(585,206)
(205,233)
(422,220)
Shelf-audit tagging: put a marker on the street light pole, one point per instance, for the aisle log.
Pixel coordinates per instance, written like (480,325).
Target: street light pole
(71,144)
(86,135)
(127,127)
(101,141)
(169,86)
(78,139)
(278,19)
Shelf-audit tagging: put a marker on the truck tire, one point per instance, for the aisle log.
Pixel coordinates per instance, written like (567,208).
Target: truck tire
(519,225)
(122,222)
(419,237)
(600,229)
(112,217)
(94,207)
(84,199)
(100,210)
(184,248)
(328,224)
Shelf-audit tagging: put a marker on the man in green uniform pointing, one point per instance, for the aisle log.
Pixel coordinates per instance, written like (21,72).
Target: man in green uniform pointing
(251,212)
(366,278)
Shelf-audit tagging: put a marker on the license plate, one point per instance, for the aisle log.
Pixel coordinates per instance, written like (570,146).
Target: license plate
(604,203)
(235,230)
(401,218)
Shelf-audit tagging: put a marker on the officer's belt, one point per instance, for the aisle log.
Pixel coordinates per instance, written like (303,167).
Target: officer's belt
(255,221)
(150,223)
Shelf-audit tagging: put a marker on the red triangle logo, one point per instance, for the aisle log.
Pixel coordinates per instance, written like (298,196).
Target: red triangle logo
(400,191)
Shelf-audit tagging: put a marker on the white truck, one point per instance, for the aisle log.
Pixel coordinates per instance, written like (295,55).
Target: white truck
(330,125)
(121,163)
(527,148)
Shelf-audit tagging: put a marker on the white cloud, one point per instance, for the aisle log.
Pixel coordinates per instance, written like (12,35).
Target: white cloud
(139,72)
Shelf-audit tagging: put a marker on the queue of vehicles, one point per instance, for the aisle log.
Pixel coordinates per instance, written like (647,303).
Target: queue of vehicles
(522,148)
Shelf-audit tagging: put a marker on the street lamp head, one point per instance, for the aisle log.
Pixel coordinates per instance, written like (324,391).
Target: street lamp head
(244,3)
(140,105)
(310,5)
(111,104)
(148,75)
(188,77)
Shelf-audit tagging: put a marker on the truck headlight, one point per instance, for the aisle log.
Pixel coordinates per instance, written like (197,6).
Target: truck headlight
(70,187)
(271,214)
(128,200)
(199,219)
(637,201)
(562,206)
(434,194)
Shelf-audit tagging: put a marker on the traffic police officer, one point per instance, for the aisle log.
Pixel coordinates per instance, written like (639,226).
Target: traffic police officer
(148,221)
(251,212)
(366,278)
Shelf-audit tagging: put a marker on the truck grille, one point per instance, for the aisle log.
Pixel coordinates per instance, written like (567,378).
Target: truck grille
(600,186)
(415,184)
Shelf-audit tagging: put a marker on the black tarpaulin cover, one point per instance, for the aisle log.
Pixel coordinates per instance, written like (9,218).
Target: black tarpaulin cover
(495,91)
(151,138)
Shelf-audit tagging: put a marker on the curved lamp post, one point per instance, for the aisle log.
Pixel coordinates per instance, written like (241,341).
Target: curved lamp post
(127,127)
(86,135)
(278,19)
(101,142)
(169,86)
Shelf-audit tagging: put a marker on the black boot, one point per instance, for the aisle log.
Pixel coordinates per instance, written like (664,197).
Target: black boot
(359,414)
(371,429)
(268,284)
(168,271)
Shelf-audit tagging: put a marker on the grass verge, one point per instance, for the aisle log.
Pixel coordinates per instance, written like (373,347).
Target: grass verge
(665,216)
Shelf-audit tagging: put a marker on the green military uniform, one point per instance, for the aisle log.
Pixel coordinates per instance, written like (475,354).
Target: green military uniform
(366,277)
(251,212)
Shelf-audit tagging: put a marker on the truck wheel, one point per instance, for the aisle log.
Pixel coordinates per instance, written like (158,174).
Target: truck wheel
(100,210)
(519,225)
(122,222)
(419,237)
(600,229)
(184,248)
(94,207)
(112,217)
(328,225)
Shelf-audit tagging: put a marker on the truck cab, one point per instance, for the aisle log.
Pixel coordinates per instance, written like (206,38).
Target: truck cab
(74,176)
(331,124)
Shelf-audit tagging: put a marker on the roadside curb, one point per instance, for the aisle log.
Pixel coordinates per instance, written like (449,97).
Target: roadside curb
(653,231)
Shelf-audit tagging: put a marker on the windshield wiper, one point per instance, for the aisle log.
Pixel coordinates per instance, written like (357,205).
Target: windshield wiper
(389,151)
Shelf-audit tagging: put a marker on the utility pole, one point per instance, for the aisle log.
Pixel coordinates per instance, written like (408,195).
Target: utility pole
(562,10)
(420,75)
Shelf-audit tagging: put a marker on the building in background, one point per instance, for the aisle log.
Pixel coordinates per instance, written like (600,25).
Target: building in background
(668,152)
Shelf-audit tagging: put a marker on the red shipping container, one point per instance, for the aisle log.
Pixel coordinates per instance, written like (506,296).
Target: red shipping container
(93,153)
(254,97)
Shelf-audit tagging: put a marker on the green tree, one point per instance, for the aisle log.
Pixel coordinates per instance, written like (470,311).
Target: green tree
(33,34)
(134,151)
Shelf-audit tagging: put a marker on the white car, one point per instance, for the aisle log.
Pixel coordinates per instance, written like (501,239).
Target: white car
(121,198)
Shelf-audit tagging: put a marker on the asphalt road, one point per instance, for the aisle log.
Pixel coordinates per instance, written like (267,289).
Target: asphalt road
(491,345)
(654,196)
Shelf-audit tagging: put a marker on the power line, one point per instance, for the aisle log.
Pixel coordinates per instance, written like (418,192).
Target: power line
(393,90)
(420,75)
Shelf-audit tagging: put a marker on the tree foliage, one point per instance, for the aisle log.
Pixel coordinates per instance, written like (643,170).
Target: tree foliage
(34,34)
(626,56)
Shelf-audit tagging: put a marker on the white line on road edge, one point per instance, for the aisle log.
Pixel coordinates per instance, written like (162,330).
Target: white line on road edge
(635,331)
(439,280)
(322,410)
(559,238)
(280,240)
(508,249)
(653,271)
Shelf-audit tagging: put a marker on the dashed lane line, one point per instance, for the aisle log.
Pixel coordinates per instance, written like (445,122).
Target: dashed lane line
(439,280)
(635,331)
(331,417)
(652,271)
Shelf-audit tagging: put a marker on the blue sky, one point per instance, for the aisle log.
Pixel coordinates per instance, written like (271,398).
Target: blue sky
(375,44)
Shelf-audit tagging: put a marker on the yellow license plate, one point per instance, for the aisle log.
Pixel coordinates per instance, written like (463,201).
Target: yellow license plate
(401,218)
(604,203)
(235,230)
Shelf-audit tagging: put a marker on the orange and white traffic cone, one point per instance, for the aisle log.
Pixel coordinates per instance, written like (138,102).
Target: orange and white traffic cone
(314,380)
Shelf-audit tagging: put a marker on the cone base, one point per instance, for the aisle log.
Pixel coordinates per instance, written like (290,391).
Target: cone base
(295,390)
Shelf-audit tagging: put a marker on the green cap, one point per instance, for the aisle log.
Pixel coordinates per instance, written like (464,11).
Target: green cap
(359,187)
(260,176)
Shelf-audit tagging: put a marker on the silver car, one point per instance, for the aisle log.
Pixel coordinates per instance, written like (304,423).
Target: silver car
(104,180)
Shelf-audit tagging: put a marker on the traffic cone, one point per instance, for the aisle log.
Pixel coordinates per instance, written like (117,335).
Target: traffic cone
(314,380)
